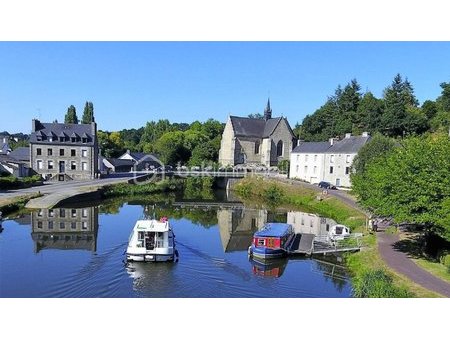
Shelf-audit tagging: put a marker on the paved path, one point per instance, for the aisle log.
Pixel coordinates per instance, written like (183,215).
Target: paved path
(400,262)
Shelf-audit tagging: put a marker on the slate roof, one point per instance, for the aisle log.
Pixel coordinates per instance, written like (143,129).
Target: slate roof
(55,129)
(117,162)
(348,145)
(21,154)
(312,147)
(251,127)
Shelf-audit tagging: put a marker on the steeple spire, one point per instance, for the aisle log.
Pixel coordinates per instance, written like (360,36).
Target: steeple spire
(268,111)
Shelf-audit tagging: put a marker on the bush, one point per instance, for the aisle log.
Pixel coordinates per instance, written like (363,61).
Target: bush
(273,194)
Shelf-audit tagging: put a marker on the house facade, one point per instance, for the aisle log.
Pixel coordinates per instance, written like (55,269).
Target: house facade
(326,161)
(141,161)
(264,141)
(60,151)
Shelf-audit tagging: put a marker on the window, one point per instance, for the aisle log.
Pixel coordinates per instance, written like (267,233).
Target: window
(72,152)
(331,170)
(315,158)
(40,213)
(39,224)
(73,139)
(49,152)
(61,152)
(280,148)
(73,165)
(73,225)
(306,158)
(84,212)
(74,212)
(298,157)
(315,170)
(50,225)
(84,225)
(62,225)
(84,140)
(50,164)
(253,222)
(39,164)
(84,152)
(84,166)
(62,213)
(51,213)
(347,159)
(306,169)
(62,139)
(332,159)
(261,242)
(347,170)
(296,168)
(38,151)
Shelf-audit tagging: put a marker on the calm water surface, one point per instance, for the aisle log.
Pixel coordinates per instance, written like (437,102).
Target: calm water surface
(79,251)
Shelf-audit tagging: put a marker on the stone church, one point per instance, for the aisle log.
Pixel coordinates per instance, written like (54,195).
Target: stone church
(264,141)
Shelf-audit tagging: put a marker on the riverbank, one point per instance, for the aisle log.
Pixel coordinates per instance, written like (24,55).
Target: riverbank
(371,276)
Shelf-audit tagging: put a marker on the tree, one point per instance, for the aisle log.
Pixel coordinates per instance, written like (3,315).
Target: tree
(369,112)
(429,108)
(444,99)
(88,113)
(256,116)
(71,115)
(397,98)
(377,147)
(170,148)
(411,184)
(206,153)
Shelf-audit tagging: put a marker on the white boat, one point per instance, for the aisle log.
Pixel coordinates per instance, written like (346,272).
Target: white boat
(152,240)
(338,232)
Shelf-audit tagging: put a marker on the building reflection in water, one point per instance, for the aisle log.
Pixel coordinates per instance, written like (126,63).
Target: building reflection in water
(65,228)
(306,223)
(237,227)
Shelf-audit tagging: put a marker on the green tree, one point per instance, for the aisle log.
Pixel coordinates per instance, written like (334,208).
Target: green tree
(444,99)
(206,153)
(88,113)
(397,97)
(71,115)
(170,148)
(429,108)
(412,183)
(256,116)
(369,112)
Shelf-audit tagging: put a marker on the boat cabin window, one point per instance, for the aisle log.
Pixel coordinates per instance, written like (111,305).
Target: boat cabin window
(160,239)
(339,230)
(261,241)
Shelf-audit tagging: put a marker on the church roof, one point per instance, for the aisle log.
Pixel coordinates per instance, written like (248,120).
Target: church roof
(251,127)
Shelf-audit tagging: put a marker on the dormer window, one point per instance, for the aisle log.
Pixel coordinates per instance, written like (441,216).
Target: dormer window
(84,140)
(62,139)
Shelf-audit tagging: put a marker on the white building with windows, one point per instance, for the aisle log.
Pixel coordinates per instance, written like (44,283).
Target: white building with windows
(326,161)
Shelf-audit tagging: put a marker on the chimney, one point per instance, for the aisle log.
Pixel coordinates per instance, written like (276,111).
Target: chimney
(365,134)
(94,129)
(347,135)
(35,125)
(331,141)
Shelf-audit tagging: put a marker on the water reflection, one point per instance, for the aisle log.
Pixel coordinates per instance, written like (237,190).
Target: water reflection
(65,228)
(272,268)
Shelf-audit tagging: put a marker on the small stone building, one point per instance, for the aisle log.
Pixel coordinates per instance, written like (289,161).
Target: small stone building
(264,141)
(60,151)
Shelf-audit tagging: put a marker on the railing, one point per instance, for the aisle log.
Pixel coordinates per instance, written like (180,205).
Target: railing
(325,244)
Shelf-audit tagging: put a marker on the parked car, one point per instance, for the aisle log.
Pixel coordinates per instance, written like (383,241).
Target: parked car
(326,185)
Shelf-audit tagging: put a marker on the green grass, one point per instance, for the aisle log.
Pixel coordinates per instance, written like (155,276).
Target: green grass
(435,268)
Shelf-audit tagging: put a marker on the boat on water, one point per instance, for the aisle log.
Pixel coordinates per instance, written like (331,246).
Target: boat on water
(338,232)
(272,241)
(152,241)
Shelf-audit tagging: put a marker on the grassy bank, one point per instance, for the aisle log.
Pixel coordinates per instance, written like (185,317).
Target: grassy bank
(370,276)
(10,205)
(125,189)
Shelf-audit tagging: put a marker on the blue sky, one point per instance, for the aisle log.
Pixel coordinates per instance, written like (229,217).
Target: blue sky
(131,83)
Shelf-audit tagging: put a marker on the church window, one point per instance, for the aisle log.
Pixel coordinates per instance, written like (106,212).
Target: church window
(256,147)
(280,148)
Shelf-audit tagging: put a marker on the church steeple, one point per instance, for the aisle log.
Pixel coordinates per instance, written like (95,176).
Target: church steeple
(268,111)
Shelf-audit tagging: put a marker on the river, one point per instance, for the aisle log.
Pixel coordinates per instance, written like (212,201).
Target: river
(79,251)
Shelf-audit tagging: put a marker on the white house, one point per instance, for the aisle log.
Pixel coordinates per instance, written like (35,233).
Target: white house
(326,161)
